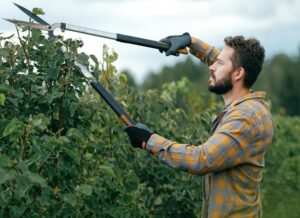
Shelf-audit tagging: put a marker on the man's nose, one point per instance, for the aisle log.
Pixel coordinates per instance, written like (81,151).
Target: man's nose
(211,68)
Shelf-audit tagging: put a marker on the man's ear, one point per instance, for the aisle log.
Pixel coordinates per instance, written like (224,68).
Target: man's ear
(239,74)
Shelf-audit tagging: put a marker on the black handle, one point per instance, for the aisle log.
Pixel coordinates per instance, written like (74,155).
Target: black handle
(112,103)
(140,41)
(146,42)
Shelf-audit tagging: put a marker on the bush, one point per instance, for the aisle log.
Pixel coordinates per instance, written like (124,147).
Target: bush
(63,152)
(281,183)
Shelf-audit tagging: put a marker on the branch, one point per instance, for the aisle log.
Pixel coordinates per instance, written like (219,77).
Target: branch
(24,49)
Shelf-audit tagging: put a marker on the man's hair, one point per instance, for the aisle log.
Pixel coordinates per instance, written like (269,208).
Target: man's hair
(249,54)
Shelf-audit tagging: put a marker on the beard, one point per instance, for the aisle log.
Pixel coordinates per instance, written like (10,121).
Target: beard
(222,86)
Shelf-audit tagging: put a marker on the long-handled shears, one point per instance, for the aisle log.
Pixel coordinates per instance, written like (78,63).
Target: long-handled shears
(115,36)
(85,72)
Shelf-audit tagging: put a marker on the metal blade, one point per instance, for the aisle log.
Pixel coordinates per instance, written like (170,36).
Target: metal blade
(32,15)
(85,72)
(29,24)
(35,18)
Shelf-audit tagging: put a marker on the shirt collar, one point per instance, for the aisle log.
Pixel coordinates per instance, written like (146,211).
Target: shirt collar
(251,95)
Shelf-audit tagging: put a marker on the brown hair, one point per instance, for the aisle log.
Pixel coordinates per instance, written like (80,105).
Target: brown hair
(249,54)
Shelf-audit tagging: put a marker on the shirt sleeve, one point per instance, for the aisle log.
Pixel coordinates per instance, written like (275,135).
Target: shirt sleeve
(205,52)
(229,146)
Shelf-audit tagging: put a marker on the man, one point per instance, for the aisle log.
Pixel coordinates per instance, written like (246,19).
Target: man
(232,159)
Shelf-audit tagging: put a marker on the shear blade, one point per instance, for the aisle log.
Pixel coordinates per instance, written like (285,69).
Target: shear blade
(30,24)
(36,18)
(85,72)
(32,15)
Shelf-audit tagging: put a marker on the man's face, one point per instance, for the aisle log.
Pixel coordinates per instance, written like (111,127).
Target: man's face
(220,80)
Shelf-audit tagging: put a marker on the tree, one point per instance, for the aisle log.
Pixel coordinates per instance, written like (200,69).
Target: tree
(280,78)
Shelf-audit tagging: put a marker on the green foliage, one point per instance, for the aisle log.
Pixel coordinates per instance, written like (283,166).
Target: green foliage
(195,71)
(38,11)
(63,152)
(279,78)
(130,79)
(281,183)
(2,99)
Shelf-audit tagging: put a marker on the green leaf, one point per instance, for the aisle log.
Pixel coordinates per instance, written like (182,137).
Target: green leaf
(14,101)
(6,88)
(4,52)
(6,175)
(84,189)
(72,153)
(70,199)
(52,96)
(107,170)
(94,58)
(4,161)
(2,99)
(75,134)
(17,211)
(38,11)
(32,77)
(73,108)
(35,178)
(126,198)
(23,166)
(158,201)
(14,127)
(63,140)
(88,155)
(133,182)
(52,73)
(123,79)
(82,58)
(40,121)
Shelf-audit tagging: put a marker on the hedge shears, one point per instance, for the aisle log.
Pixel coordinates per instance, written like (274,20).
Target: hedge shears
(114,36)
(42,24)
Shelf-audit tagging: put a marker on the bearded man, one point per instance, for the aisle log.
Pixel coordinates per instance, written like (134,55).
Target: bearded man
(232,159)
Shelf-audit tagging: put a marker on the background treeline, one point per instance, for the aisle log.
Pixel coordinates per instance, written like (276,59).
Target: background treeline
(280,79)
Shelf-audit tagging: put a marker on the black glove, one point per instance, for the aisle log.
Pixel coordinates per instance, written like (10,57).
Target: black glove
(139,135)
(177,42)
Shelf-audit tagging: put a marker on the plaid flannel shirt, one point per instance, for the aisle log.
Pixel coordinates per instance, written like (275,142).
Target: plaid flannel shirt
(232,159)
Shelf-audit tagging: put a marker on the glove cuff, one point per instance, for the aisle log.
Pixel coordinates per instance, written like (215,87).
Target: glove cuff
(188,38)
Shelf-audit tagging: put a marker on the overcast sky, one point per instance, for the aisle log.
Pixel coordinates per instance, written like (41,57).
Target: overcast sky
(275,22)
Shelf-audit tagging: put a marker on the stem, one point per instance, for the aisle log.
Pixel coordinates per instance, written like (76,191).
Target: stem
(110,138)
(23,144)
(22,148)
(8,206)
(29,28)
(60,118)
(29,207)
(41,166)
(64,89)
(106,77)
(24,49)
(104,71)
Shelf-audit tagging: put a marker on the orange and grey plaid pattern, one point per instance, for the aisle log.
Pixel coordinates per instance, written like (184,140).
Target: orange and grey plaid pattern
(231,160)
(206,53)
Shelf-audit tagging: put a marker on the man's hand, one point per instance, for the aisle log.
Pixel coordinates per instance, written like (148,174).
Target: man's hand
(177,42)
(139,135)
